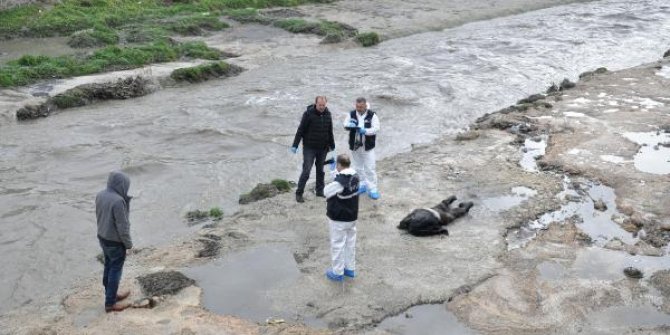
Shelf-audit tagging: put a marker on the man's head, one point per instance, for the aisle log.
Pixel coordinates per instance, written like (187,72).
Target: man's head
(343,162)
(361,105)
(320,103)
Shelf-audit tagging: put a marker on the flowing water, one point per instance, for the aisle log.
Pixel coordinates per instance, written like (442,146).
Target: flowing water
(202,145)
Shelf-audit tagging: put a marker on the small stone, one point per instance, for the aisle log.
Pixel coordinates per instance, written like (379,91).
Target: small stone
(615,244)
(665,225)
(573,198)
(275,321)
(600,205)
(467,136)
(629,226)
(626,209)
(408,315)
(632,272)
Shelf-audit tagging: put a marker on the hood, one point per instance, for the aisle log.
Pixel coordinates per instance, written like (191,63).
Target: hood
(119,183)
(348,171)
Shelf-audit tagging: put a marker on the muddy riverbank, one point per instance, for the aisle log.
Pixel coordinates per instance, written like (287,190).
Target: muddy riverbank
(566,277)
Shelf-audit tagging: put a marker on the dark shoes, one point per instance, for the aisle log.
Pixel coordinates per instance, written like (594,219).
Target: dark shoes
(299,198)
(320,194)
(117,307)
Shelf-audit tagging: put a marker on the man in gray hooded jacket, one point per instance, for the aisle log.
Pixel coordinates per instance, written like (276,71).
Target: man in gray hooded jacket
(112,207)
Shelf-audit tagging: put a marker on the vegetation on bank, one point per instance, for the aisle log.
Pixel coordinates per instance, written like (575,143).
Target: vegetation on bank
(199,215)
(117,26)
(368,39)
(205,72)
(29,69)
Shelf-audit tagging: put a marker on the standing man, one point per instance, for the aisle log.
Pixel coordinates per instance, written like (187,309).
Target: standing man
(342,212)
(316,132)
(363,126)
(112,207)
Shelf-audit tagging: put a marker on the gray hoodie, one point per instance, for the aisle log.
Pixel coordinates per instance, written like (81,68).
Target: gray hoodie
(112,206)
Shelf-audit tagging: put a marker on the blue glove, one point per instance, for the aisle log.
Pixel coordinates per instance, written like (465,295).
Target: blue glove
(362,188)
(294,150)
(361,131)
(332,165)
(352,124)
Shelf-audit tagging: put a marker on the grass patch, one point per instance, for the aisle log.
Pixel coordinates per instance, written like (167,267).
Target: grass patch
(204,72)
(12,20)
(281,184)
(248,15)
(196,25)
(69,16)
(368,39)
(333,31)
(216,213)
(28,69)
(197,215)
(88,38)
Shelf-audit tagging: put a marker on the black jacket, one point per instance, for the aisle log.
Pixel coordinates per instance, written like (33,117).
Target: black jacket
(344,205)
(315,130)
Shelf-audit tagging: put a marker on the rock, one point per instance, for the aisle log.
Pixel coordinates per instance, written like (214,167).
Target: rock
(275,321)
(531,99)
(264,191)
(238,235)
(408,315)
(632,272)
(210,248)
(573,198)
(629,226)
(34,111)
(600,205)
(660,280)
(648,250)
(164,282)
(589,74)
(615,244)
(553,88)
(665,225)
(638,219)
(143,303)
(626,209)
(666,54)
(467,136)
(567,84)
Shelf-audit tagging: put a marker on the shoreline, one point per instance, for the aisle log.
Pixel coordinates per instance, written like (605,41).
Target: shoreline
(460,281)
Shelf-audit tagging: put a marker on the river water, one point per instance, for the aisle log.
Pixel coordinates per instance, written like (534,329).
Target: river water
(202,145)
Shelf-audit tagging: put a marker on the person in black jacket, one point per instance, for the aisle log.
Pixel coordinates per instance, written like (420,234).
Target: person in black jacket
(316,132)
(342,211)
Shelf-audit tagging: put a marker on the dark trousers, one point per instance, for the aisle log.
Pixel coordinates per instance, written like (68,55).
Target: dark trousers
(115,256)
(311,157)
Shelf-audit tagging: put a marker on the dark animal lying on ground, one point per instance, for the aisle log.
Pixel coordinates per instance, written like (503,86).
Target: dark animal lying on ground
(432,221)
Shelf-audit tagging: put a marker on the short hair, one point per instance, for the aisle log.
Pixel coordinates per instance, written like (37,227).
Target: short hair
(320,97)
(344,160)
(361,99)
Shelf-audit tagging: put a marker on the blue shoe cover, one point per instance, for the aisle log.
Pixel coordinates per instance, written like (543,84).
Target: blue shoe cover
(332,276)
(349,273)
(374,195)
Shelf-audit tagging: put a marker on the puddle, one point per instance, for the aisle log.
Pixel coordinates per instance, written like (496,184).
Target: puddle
(532,151)
(432,319)
(598,225)
(240,284)
(664,72)
(625,318)
(604,264)
(505,202)
(652,157)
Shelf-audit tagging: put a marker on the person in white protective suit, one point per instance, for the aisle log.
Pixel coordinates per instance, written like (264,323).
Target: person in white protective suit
(342,211)
(363,126)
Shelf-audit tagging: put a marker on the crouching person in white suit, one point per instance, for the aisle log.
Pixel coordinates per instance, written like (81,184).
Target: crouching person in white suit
(342,211)
(363,126)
